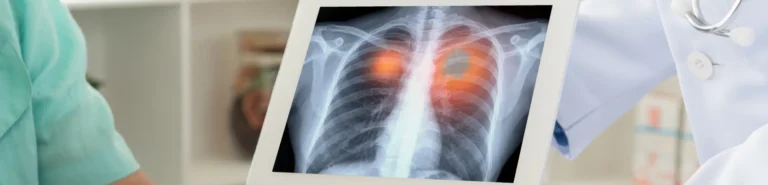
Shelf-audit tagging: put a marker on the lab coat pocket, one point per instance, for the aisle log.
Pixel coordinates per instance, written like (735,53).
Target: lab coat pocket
(15,87)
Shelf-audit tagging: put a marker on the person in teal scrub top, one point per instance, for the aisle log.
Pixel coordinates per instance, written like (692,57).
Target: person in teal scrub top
(55,129)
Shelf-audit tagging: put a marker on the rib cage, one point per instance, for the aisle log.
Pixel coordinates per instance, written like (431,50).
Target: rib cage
(463,114)
(355,122)
(400,126)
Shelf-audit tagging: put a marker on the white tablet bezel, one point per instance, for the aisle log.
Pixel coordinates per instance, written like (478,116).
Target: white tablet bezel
(541,119)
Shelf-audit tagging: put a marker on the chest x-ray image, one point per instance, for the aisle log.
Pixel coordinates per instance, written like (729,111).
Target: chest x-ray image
(415,92)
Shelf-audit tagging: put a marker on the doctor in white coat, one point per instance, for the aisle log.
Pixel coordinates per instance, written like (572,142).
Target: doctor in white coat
(623,49)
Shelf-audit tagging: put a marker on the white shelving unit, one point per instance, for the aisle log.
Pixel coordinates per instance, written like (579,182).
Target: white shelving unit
(167,66)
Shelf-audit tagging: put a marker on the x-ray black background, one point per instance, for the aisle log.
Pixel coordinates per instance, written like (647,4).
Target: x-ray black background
(285,161)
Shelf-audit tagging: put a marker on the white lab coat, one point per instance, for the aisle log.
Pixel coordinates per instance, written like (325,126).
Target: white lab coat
(623,49)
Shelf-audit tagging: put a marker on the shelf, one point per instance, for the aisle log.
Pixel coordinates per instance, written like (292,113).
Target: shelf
(223,172)
(100,4)
(96,4)
(225,1)
(592,182)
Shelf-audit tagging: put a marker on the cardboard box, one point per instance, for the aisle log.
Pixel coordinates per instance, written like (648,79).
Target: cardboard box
(661,113)
(657,139)
(655,160)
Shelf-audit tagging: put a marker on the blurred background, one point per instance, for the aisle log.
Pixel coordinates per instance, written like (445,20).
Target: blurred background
(188,82)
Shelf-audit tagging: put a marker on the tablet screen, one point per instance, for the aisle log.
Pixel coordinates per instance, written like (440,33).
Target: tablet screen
(415,92)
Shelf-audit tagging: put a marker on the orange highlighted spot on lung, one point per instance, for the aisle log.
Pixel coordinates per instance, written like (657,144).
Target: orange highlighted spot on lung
(464,65)
(463,77)
(388,66)
(460,69)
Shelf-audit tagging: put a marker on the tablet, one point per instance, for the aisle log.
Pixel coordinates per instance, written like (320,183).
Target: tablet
(415,92)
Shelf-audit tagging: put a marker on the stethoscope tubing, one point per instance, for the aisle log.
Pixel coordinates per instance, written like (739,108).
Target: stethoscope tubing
(719,28)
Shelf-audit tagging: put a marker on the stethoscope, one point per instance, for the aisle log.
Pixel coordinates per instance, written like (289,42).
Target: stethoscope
(719,28)
(700,63)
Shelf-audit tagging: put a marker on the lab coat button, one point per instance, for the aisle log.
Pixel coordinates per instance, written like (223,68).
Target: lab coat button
(700,65)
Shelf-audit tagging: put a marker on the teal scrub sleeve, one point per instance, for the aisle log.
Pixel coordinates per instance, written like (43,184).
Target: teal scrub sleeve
(77,142)
(619,53)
